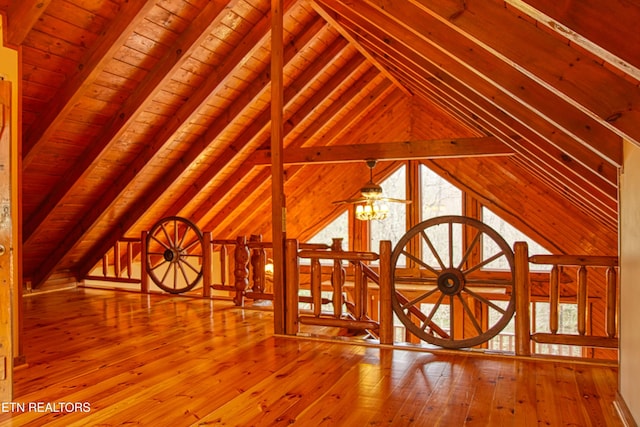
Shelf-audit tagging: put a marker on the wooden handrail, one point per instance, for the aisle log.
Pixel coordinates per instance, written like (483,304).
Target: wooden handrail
(582,264)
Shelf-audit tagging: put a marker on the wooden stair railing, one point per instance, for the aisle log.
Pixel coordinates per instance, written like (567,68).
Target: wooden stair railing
(582,263)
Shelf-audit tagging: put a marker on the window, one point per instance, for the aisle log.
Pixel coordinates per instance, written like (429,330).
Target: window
(338,228)
(394,227)
(511,235)
(439,197)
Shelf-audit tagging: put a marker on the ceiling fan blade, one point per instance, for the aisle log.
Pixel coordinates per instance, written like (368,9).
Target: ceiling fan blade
(392,200)
(351,201)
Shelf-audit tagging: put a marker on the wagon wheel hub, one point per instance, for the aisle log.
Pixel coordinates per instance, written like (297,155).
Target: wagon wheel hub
(451,281)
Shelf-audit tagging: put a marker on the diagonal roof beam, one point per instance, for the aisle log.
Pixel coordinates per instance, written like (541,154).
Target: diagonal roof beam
(23,15)
(609,30)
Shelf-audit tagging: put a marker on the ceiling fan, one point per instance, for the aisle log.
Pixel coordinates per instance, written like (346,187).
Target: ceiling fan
(371,204)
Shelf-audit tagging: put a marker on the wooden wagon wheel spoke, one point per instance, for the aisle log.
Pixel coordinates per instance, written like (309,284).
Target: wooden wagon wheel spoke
(469,250)
(419,298)
(445,303)
(433,251)
(470,314)
(183,262)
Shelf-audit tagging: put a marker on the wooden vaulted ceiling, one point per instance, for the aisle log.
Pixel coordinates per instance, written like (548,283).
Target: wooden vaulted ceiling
(135,110)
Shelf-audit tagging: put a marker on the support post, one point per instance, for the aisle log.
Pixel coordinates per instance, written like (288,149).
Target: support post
(386,310)
(278,205)
(522,290)
(240,269)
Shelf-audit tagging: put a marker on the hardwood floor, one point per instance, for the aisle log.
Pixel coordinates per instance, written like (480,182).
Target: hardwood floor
(129,359)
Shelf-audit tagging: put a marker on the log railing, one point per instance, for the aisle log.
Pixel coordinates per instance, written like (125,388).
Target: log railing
(118,264)
(582,265)
(334,280)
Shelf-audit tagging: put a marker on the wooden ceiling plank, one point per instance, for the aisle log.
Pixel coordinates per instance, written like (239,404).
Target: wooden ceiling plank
(589,24)
(141,97)
(71,92)
(424,56)
(573,77)
(23,15)
(459,147)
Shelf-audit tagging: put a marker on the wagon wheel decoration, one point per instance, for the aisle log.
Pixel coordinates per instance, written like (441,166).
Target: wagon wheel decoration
(453,303)
(174,254)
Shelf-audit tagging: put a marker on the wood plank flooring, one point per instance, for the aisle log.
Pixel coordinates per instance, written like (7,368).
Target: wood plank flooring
(153,360)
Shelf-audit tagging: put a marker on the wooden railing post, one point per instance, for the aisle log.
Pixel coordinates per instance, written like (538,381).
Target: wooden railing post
(207,265)
(386,310)
(144,277)
(292,278)
(522,290)
(241,270)
(258,261)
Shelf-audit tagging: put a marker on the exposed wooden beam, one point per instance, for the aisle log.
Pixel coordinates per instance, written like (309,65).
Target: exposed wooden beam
(610,30)
(23,15)
(440,148)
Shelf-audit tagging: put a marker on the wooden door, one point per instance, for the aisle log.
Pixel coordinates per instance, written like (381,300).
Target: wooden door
(7,267)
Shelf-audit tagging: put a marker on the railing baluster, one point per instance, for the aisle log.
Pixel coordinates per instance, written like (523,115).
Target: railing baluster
(582,300)
(358,284)
(316,286)
(553,299)
(129,258)
(116,259)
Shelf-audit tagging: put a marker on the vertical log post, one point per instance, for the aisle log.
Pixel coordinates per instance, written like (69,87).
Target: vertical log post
(337,279)
(553,300)
(612,302)
(105,265)
(292,275)
(582,300)
(386,309)
(316,286)
(241,269)
(522,290)
(144,277)
(207,266)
